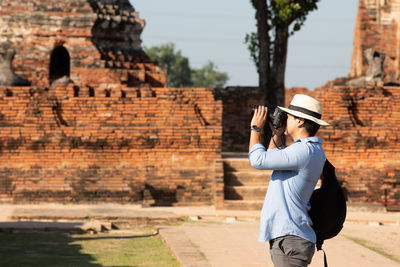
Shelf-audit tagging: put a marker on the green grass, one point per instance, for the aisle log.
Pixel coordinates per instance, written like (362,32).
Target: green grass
(61,249)
(368,245)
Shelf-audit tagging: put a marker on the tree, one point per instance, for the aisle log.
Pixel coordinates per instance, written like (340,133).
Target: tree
(179,72)
(208,76)
(276,21)
(178,68)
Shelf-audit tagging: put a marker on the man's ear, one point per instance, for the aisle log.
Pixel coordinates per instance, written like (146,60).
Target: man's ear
(300,122)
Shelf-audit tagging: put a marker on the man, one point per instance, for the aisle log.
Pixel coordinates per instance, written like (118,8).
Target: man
(285,222)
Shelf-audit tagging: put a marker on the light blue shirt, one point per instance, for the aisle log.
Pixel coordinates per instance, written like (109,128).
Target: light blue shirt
(297,169)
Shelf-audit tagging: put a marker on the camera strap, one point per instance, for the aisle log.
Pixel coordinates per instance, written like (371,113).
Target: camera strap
(272,137)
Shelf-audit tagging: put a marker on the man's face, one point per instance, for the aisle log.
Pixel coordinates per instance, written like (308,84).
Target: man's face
(292,124)
(289,124)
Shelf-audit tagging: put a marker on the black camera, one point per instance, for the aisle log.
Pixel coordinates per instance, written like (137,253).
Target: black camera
(275,116)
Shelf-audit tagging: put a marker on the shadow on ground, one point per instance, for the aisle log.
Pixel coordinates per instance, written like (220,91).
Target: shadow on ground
(54,244)
(42,249)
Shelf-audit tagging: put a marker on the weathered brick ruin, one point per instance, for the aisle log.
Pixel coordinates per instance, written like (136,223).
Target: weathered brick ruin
(91,42)
(85,115)
(377,27)
(364,137)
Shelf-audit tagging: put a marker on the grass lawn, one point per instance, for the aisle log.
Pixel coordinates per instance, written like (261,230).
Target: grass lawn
(103,249)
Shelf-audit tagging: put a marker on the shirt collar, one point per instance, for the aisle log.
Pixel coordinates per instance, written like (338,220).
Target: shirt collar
(311,139)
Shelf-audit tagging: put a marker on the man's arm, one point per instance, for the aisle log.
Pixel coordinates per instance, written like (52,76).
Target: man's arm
(292,157)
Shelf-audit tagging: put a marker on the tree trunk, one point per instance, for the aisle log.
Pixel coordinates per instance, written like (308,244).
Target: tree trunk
(263,29)
(276,89)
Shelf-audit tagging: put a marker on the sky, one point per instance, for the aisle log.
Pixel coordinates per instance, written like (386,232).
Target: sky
(214,30)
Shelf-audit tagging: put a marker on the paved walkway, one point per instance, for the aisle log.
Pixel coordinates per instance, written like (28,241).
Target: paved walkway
(220,238)
(235,245)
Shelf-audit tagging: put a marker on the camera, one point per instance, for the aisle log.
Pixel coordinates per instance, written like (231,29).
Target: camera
(275,116)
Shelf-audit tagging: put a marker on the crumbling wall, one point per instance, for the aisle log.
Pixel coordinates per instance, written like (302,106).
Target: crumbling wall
(95,35)
(363,139)
(377,27)
(160,146)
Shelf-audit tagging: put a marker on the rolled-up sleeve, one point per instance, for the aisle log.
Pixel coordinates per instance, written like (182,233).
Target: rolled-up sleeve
(290,158)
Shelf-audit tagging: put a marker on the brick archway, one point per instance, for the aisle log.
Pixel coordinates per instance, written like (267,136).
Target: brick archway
(59,63)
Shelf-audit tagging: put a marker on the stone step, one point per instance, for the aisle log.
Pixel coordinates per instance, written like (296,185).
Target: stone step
(243,204)
(237,178)
(237,164)
(245,192)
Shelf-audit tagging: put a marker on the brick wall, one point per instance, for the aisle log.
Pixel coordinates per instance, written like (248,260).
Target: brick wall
(162,145)
(237,105)
(362,141)
(82,144)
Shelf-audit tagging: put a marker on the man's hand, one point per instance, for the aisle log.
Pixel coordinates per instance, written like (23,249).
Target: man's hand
(259,117)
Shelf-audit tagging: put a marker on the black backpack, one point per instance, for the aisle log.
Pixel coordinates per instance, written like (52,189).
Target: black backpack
(328,207)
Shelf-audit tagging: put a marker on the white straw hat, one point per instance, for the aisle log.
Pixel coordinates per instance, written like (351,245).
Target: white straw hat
(306,107)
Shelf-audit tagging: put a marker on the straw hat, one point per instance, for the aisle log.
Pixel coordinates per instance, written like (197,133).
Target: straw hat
(306,107)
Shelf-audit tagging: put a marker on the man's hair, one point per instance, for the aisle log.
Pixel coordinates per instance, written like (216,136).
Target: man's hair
(311,127)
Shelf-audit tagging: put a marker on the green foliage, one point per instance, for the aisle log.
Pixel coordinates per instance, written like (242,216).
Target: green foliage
(179,72)
(286,12)
(208,76)
(292,11)
(178,68)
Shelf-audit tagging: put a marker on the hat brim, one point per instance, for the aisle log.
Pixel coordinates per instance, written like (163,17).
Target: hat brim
(304,116)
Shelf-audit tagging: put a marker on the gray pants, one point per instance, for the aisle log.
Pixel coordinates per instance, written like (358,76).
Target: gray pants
(291,251)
